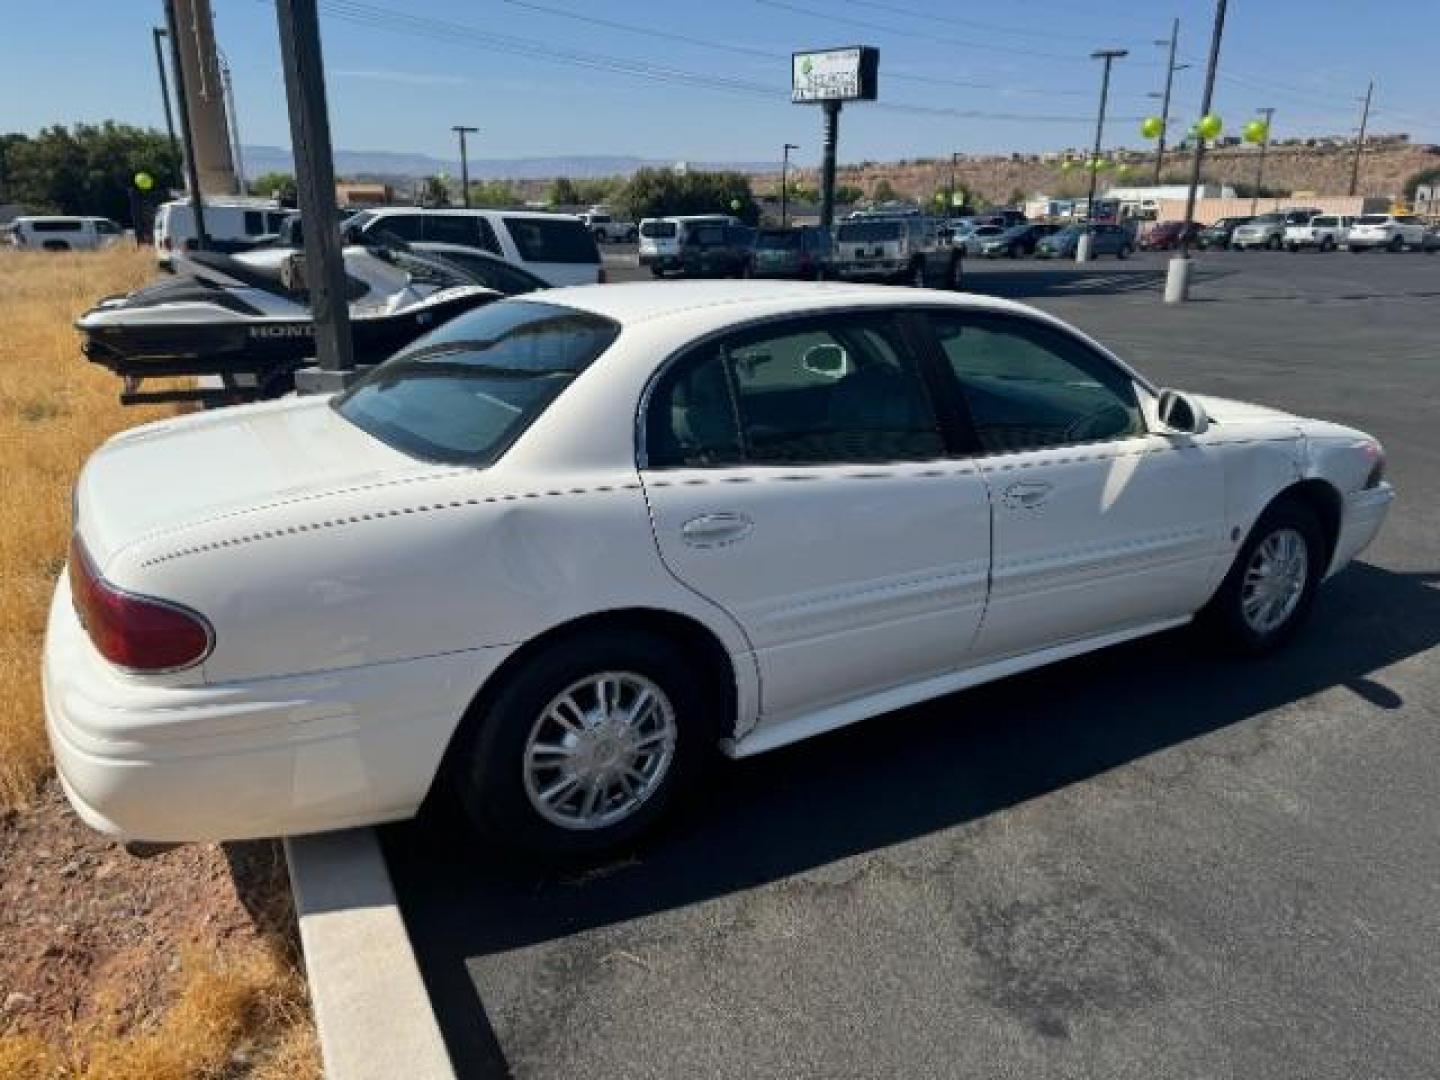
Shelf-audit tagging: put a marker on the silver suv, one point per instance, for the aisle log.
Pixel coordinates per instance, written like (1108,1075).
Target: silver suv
(902,250)
(1268,230)
(1393,232)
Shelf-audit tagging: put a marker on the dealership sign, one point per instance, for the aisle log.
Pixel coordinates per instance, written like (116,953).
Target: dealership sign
(848,74)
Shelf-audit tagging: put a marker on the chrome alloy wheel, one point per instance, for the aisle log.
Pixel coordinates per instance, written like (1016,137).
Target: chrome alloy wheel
(599,750)
(1274,581)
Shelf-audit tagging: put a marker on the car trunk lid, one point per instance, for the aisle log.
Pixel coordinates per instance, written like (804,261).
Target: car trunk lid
(170,475)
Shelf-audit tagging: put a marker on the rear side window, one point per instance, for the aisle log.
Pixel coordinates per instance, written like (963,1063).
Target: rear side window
(552,240)
(658,230)
(65,225)
(829,390)
(402,226)
(451,229)
(463,393)
(1373,219)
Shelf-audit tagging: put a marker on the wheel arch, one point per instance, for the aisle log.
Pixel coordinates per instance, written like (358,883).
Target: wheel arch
(694,637)
(1323,499)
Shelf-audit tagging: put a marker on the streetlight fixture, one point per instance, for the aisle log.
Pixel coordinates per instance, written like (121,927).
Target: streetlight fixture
(1082,249)
(1177,278)
(462,131)
(1170,69)
(785,183)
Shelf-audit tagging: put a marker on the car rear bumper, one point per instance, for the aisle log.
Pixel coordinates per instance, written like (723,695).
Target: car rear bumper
(270,757)
(1361,517)
(881,268)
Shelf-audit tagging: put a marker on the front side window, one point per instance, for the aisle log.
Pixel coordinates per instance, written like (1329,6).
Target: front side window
(462,394)
(828,390)
(400,226)
(450,229)
(1028,387)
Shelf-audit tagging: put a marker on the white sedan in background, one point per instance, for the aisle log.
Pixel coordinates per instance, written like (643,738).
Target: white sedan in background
(556,552)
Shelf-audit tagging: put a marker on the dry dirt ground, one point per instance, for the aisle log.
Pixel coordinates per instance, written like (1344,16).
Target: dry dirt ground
(181,966)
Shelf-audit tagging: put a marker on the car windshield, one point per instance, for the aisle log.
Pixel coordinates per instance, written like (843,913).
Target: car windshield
(463,393)
(1372,219)
(777,240)
(869,231)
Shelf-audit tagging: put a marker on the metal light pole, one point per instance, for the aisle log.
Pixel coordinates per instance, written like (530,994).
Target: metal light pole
(954,156)
(785,184)
(1082,249)
(182,103)
(1260,165)
(1177,279)
(1360,142)
(304,68)
(158,32)
(462,131)
(1170,68)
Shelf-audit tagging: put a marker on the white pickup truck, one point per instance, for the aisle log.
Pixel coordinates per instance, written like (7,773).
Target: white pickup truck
(607,230)
(1325,232)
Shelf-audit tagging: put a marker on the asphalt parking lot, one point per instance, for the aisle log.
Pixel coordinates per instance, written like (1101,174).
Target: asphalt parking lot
(1149,862)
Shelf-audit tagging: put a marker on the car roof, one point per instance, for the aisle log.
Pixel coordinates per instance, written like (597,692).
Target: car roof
(460,211)
(631,303)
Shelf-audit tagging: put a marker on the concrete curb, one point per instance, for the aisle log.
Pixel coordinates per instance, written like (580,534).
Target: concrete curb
(371,1009)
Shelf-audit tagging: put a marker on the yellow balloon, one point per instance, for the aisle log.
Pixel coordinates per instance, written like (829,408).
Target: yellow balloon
(144,181)
(1210,125)
(1151,127)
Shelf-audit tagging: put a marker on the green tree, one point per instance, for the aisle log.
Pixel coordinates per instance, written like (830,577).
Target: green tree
(279,185)
(847,193)
(882,192)
(433,192)
(1428,177)
(563,192)
(86,169)
(494,193)
(662,192)
(599,189)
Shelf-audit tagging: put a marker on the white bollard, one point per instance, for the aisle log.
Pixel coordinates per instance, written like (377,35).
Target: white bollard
(1177,280)
(1082,248)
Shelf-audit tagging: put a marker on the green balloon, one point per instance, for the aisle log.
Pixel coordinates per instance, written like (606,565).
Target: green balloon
(144,181)
(1067,165)
(735,204)
(1122,170)
(1151,127)
(1210,126)
(1256,132)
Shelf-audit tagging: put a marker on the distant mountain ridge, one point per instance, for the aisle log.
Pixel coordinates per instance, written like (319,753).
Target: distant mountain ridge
(261,159)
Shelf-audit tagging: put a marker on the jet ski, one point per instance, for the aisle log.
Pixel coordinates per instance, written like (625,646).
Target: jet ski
(246,318)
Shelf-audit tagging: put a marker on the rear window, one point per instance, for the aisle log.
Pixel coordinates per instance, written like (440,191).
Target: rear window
(658,230)
(553,240)
(869,231)
(67,225)
(1324,222)
(463,393)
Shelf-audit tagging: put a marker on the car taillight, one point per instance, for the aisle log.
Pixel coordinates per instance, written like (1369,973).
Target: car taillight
(140,633)
(1375,453)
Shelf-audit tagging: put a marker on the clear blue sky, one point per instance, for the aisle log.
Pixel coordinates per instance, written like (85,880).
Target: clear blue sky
(538,83)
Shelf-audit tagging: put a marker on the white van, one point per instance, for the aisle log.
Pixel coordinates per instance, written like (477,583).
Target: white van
(557,248)
(232,223)
(661,238)
(55,232)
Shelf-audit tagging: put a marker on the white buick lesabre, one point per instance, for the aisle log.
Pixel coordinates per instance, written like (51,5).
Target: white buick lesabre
(557,551)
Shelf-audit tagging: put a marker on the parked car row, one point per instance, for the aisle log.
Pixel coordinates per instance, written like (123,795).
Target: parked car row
(1302,228)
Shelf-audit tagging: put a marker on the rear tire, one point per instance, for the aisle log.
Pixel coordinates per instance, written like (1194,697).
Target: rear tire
(547,725)
(1397,244)
(915,277)
(1273,243)
(1265,599)
(1124,252)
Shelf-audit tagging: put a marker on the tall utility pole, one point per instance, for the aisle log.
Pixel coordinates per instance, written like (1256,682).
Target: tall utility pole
(1360,142)
(158,32)
(182,106)
(462,131)
(1170,68)
(831,135)
(1260,166)
(954,156)
(785,183)
(1177,280)
(1082,250)
(304,68)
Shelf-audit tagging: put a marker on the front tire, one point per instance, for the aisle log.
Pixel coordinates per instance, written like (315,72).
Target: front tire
(1273,243)
(1397,244)
(586,747)
(1270,590)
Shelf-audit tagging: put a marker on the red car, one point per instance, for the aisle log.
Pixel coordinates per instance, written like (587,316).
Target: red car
(1166,235)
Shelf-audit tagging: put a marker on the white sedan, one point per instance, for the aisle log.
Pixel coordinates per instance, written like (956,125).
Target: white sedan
(556,552)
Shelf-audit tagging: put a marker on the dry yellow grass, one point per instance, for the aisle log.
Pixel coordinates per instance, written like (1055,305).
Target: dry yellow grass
(239,1011)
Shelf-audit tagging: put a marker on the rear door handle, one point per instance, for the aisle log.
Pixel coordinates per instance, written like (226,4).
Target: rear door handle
(716,530)
(1027,494)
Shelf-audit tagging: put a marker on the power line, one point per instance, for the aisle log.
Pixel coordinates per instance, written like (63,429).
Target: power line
(970,24)
(377,17)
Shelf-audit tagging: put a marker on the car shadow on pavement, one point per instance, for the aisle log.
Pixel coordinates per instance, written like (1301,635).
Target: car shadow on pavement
(1067,278)
(895,778)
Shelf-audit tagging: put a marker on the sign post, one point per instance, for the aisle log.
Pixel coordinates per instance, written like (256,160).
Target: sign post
(829,77)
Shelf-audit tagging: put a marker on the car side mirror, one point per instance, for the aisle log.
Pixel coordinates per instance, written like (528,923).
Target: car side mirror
(1181,414)
(828,361)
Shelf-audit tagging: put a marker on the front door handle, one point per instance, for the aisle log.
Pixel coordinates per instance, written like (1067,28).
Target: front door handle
(716,530)
(1027,494)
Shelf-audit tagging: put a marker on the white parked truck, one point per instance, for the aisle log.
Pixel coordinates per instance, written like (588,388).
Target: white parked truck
(1324,232)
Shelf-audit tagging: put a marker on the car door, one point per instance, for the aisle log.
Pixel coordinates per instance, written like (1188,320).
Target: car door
(1099,525)
(798,477)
